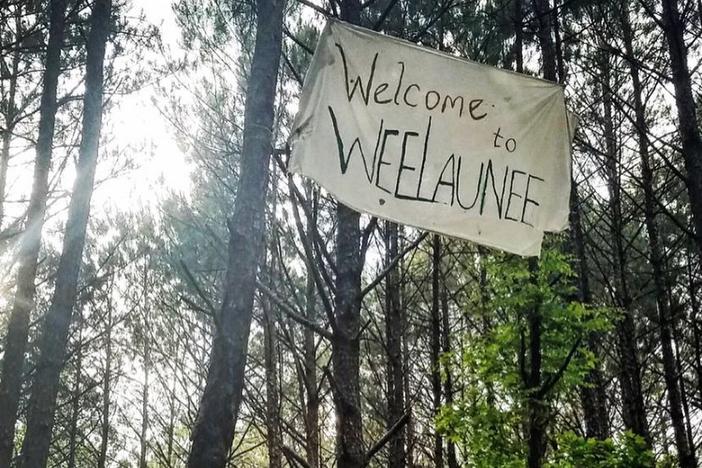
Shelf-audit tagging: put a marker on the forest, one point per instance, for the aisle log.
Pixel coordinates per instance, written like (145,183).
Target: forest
(172,296)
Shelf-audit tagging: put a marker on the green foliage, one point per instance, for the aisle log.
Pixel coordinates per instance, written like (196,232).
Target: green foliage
(488,420)
(487,432)
(628,452)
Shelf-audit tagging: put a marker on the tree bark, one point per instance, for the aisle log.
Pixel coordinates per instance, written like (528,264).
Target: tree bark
(451,458)
(593,394)
(687,111)
(30,243)
(435,344)
(146,337)
(633,411)
(350,449)
(393,332)
(544,32)
(75,403)
(270,344)
(310,356)
(537,411)
(214,428)
(410,436)
(10,111)
(52,348)
(656,257)
(106,382)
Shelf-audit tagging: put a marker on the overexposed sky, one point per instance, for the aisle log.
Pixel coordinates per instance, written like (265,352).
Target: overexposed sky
(136,127)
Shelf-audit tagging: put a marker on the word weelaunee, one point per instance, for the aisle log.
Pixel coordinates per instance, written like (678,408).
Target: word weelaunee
(504,189)
(429,140)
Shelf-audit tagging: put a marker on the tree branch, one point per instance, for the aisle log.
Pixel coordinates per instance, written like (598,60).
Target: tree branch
(387,436)
(392,264)
(290,312)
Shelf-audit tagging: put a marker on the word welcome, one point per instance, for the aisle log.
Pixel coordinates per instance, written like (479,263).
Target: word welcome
(408,94)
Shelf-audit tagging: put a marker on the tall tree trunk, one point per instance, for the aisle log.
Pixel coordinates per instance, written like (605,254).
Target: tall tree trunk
(393,332)
(146,356)
(310,356)
(656,257)
(10,110)
(52,348)
(518,47)
(106,385)
(311,411)
(593,394)
(144,432)
(274,438)
(448,382)
(537,410)
(214,428)
(633,411)
(406,366)
(695,316)
(680,372)
(435,344)
(542,10)
(350,449)
(172,406)
(687,111)
(76,394)
(30,243)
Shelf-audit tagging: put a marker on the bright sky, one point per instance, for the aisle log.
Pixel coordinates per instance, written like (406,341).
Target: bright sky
(136,126)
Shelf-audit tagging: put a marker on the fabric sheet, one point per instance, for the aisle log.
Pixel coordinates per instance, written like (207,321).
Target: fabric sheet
(426,139)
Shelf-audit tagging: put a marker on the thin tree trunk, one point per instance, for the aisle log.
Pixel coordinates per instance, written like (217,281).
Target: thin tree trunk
(406,363)
(593,395)
(544,34)
(10,112)
(214,428)
(171,421)
(393,331)
(435,344)
(687,111)
(75,403)
(270,344)
(448,382)
(106,382)
(143,433)
(676,338)
(518,47)
(656,258)
(350,449)
(30,243)
(695,317)
(312,443)
(633,411)
(146,343)
(310,356)
(537,411)
(52,349)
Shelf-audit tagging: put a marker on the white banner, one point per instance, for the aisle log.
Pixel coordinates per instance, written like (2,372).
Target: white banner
(426,139)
